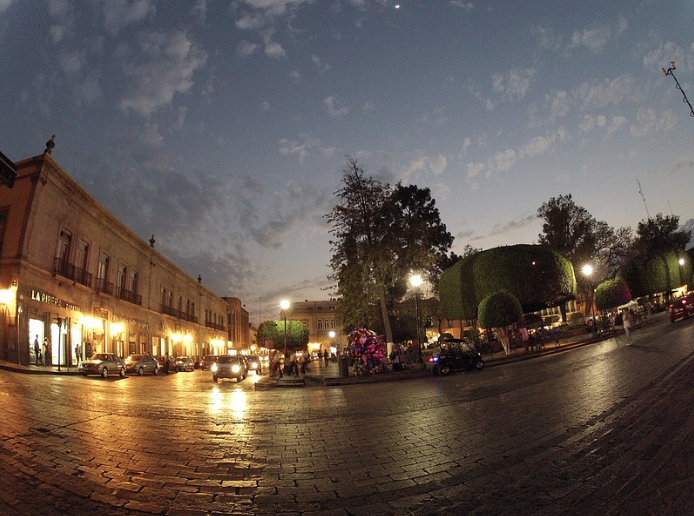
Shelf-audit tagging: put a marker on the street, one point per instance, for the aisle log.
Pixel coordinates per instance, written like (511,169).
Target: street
(602,429)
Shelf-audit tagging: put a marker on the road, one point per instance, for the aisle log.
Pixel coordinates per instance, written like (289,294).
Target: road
(603,429)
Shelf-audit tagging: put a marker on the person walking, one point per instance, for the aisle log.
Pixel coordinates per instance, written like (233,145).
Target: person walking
(326,357)
(37,351)
(166,364)
(628,323)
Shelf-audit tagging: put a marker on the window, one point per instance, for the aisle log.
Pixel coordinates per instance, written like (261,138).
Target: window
(121,277)
(320,324)
(3,224)
(133,282)
(102,273)
(64,246)
(81,255)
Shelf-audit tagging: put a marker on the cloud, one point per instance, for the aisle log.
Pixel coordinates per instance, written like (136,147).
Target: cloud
(502,229)
(334,107)
(514,84)
(306,148)
(601,94)
(166,67)
(502,161)
(4,4)
(274,50)
(245,48)
(465,6)
(536,146)
(438,164)
(647,122)
(475,169)
(593,39)
(118,14)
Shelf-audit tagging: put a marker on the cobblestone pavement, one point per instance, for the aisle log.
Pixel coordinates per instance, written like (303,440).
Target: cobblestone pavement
(601,429)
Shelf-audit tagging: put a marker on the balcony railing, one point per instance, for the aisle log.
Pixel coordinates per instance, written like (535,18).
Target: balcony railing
(130,297)
(69,271)
(215,326)
(169,310)
(104,286)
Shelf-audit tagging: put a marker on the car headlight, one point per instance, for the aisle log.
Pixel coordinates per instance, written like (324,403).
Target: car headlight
(254,365)
(235,368)
(214,368)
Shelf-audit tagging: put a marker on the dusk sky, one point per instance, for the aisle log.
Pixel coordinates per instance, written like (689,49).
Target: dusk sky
(222,127)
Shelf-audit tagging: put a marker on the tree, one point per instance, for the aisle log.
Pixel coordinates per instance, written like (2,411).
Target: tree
(273,332)
(658,271)
(660,233)
(500,310)
(611,293)
(572,231)
(380,235)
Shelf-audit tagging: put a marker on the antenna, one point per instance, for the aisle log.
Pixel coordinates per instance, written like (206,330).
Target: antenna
(669,206)
(642,197)
(670,71)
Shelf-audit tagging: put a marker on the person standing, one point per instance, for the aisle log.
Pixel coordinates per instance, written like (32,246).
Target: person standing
(46,352)
(37,351)
(166,364)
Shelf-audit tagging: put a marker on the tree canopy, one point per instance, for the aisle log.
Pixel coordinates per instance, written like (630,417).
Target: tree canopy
(611,293)
(660,233)
(380,236)
(273,332)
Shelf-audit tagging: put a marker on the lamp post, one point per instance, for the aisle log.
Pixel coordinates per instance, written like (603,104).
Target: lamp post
(416,282)
(681,273)
(284,304)
(588,271)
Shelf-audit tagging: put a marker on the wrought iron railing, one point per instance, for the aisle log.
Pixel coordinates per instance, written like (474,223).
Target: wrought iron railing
(68,270)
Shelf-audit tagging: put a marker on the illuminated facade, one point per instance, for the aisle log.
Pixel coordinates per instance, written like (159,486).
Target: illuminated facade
(321,318)
(74,274)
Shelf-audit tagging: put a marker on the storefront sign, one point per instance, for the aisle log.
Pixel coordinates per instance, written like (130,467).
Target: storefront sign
(52,300)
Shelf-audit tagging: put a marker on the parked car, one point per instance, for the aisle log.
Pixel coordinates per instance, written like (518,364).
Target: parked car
(229,367)
(681,308)
(254,363)
(184,364)
(455,355)
(102,364)
(162,364)
(141,364)
(206,363)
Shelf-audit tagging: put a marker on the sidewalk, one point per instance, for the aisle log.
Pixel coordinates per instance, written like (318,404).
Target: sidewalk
(318,374)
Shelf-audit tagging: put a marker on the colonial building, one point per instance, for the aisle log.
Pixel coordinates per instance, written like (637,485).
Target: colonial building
(323,323)
(74,274)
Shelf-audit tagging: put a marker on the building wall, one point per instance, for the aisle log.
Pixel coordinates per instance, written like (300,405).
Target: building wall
(71,272)
(320,317)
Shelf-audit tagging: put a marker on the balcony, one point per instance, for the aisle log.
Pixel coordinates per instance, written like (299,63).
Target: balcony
(69,271)
(104,286)
(130,297)
(178,314)
(215,326)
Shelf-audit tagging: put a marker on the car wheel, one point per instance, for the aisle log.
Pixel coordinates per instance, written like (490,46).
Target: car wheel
(214,378)
(156,371)
(479,365)
(444,369)
(122,372)
(435,370)
(141,371)
(104,372)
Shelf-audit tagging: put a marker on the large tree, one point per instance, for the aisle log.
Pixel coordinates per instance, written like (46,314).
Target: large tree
(380,235)
(572,231)
(660,233)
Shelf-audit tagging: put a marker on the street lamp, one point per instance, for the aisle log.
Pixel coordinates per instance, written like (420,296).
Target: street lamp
(681,273)
(588,271)
(284,304)
(416,282)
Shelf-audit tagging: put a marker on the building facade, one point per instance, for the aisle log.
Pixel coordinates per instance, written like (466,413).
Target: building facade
(323,323)
(71,273)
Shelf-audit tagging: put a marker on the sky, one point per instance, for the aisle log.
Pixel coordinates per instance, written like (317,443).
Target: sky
(222,127)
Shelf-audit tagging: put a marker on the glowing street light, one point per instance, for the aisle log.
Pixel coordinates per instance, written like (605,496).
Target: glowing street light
(416,282)
(284,304)
(681,273)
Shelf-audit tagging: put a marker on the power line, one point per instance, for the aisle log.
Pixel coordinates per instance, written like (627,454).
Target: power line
(642,197)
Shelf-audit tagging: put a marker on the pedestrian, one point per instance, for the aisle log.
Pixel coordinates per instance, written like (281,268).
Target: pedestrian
(326,357)
(37,351)
(627,322)
(78,358)
(46,352)
(166,364)
(305,359)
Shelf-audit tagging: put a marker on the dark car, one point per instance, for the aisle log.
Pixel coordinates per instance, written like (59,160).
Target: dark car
(681,308)
(184,364)
(455,355)
(254,363)
(141,364)
(206,363)
(103,364)
(229,367)
(171,366)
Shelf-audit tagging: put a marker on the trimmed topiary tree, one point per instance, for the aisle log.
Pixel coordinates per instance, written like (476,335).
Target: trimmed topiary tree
(656,272)
(500,310)
(611,293)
